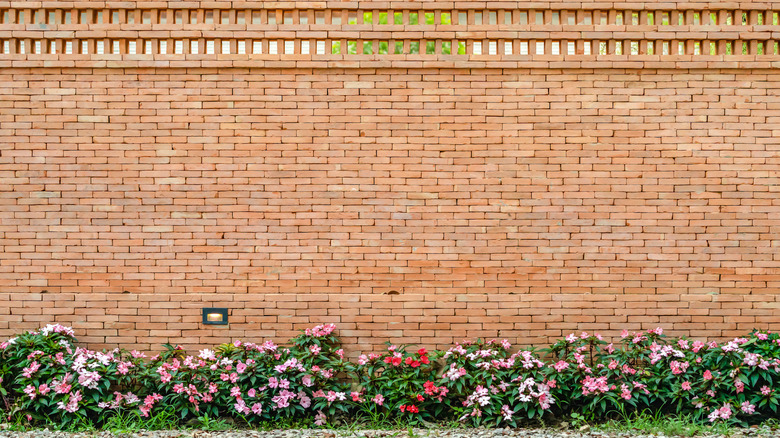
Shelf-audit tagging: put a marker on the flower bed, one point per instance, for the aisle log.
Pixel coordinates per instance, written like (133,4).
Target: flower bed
(45,377)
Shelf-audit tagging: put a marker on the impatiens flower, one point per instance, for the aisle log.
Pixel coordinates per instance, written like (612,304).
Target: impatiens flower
(320,419)
(751,359)
(304,400)
(707,375)
(765,390)
(207,355)
(686,386)
(315,349)
(251,393)
(625,391)
(30,391)
(306,380)
(257,408)
(379,399)
(506,412)
(571,338)
(454,373)
(241,407)
(30,370)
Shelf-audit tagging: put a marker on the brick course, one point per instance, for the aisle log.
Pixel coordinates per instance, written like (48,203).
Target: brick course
(413,199)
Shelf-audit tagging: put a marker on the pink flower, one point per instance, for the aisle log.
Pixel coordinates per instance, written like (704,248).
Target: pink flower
(765,390)
(748,408)
(30,391)
(315,349)
(686,386)
(506,412)
(320,419)
(306,380)
(739,386)
(305,401)
(235,392)
(251,392)
(257,408)
(678,367)
(29,371)
(624,334)
(379,399)
(561,365)
(124,367)
(625,392)
(707,375)
(240,368)
(240,406)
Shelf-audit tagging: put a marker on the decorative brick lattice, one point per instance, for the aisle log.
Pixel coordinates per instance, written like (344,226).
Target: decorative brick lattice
(386,30)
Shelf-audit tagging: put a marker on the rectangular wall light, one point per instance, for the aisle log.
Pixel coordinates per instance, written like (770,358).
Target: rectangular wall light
(215,316)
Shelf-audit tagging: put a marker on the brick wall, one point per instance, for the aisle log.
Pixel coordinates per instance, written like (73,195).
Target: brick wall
(406,197)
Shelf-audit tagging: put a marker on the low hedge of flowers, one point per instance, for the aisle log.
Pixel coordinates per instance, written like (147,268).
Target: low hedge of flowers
(46,378)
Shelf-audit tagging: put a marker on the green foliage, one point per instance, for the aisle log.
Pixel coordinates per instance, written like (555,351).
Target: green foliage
(643,380)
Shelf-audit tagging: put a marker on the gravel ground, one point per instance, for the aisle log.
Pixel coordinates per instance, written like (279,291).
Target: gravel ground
(416,433)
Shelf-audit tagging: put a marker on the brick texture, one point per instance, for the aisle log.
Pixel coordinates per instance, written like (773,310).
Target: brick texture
(404,200)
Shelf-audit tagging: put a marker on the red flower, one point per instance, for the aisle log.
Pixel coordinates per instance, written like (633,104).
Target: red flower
(413,409)
(409,360)
(402,408)
(396,361)
(425,360)
(420,398)
(422,352)
(415,364)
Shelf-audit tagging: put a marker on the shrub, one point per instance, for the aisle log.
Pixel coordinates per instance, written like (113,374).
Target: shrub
(399,384)
(46,379)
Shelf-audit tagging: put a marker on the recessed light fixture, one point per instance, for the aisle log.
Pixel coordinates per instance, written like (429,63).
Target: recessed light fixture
(215,316)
